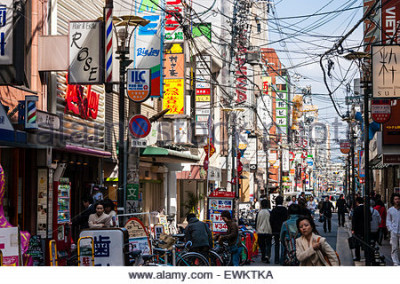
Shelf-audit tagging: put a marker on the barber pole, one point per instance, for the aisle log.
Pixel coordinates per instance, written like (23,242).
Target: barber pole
(109,45)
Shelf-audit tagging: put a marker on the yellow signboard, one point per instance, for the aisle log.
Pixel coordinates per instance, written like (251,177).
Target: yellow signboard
(174,98)
(203,98)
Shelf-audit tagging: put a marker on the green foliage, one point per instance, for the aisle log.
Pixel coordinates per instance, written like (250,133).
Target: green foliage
(192,202)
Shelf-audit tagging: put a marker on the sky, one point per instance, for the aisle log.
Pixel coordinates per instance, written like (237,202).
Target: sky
(300,37)
(302,31)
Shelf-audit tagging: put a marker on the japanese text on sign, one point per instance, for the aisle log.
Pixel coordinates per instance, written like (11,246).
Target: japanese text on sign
(174,96)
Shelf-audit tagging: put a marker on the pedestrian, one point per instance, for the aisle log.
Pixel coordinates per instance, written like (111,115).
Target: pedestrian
(278,215)
(198,233)
(326,211)
(341,208)
(109,207)
(303,207)
(382,230)
(312,206)
(293,201)
(357,226)
(99,219)
(312,249)
(288,235)
(393,225)
(264,231)
(231,236)
(375,221)
(80,221)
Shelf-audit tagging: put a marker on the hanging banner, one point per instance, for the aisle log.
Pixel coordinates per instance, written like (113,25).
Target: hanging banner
(6,32)
(148,42)
(85,53)
(386,71)
(174,96)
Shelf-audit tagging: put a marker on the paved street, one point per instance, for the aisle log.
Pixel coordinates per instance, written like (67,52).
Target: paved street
(337,238)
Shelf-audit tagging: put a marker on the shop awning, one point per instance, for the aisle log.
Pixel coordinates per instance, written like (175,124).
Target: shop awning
(163,155)
(12,138)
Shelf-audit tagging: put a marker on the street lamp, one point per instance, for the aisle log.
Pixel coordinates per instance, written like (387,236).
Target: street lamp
(125,26)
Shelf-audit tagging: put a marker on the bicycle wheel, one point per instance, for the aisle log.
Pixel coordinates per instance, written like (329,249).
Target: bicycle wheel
(191,259)
(244,255)
(215,259)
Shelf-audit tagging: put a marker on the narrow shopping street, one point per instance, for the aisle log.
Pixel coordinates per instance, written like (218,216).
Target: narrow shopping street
(338,239)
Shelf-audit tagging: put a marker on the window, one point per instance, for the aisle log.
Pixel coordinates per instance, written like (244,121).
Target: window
(259,28)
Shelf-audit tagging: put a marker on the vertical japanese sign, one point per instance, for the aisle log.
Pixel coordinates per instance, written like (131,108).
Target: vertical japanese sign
(173,15)
(203,94)
(6,32)
(85,55)
(174,95)
(174,78)
(149,42)
(386,71)
(281,109)
(264,105)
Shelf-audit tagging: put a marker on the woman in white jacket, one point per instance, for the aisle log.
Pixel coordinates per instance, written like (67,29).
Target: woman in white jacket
(312,249)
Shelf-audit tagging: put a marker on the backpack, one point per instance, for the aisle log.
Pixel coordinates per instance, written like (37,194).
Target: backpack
(290,245)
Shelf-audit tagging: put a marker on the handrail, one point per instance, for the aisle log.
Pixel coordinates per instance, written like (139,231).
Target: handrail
(53,258)
(79,249)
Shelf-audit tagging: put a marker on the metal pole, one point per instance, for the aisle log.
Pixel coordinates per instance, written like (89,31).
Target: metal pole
(121,142)
(367,212)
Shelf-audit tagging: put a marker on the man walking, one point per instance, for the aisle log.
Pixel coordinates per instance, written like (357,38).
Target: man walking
(341,210)
(278,215)
(264,231)
(357,223)
(326,210)
(393,225)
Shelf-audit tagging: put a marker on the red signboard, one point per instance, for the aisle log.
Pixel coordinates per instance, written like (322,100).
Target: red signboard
(381,110)
(345,147)
(391,129)
(203,91)
(390,21)
(225,194)
(79,101)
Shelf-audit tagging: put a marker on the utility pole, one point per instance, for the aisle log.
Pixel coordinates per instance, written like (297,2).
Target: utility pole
(367,211)
(353,174)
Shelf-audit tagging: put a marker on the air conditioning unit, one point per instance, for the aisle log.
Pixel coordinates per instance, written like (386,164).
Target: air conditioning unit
(253,55)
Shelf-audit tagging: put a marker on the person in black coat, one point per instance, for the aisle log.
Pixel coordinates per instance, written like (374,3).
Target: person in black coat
(357,225)
(80,221)
(198,233)
(326,210)
(278,215)
(341,207)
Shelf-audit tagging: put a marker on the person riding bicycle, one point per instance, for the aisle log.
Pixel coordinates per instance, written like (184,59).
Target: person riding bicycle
(231,236)
(198,233)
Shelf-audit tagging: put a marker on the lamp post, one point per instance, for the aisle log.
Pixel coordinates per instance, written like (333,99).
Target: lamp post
(125,26)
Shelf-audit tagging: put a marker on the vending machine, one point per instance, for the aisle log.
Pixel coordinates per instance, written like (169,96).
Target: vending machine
(62,219)
(219,201)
